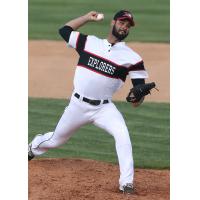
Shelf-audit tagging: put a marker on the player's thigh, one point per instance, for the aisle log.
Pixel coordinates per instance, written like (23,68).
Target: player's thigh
(112,121)
(72,119)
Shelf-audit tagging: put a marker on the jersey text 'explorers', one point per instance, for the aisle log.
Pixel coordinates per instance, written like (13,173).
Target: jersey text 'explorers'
(101,69)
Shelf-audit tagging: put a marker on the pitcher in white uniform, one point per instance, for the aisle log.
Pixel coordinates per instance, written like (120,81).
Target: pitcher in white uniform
(102,69)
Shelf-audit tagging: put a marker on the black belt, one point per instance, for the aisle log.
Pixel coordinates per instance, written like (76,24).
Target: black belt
(90,101)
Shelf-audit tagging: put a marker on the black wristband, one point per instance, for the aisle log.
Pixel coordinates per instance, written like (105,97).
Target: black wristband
(138,81)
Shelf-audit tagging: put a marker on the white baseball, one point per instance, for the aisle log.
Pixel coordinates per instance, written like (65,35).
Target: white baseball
(100,16)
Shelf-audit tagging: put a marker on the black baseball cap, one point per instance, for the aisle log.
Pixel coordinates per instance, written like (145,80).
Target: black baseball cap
(124,14)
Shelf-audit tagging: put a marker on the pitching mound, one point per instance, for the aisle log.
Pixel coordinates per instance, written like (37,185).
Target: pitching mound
(78,179)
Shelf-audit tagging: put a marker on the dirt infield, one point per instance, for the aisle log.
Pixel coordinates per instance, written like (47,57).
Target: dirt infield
(52,66)
(78,179)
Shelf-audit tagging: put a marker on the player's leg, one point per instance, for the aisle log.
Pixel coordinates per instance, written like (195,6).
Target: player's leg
(111,120)
(72,119)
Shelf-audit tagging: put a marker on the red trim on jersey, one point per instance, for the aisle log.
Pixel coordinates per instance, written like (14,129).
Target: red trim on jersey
(104,59)
(98,72)
(77,40)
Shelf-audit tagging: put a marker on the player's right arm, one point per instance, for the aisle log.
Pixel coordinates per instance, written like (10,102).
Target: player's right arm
(75,24)
(80,21)
(71,36)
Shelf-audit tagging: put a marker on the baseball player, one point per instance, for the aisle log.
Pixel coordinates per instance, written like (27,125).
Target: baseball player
(102,69)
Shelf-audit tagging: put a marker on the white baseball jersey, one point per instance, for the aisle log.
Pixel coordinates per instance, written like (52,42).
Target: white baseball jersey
(102,68)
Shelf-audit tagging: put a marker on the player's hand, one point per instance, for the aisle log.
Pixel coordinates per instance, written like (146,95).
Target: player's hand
(136,104)
(92,16)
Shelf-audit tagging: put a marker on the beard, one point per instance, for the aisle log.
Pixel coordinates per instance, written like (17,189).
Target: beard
(117,35)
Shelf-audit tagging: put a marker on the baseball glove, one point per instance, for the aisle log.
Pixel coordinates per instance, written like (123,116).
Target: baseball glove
(139,92)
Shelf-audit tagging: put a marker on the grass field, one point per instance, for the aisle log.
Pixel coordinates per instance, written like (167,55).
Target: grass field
(148,126)
(152,17)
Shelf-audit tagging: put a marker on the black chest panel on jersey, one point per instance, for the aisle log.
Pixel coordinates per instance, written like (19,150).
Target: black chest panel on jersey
(102,66)
(98,64)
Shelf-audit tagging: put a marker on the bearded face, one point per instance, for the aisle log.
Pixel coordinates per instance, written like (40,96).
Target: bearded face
(120,30)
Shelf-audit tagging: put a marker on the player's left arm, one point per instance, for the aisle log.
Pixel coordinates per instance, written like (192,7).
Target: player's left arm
(138,74)
(135,82)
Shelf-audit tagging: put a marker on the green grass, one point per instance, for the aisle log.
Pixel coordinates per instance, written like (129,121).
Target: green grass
(152,18)
(148,127)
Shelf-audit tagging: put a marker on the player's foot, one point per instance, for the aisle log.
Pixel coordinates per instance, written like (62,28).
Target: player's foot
(30,153)
(127,189)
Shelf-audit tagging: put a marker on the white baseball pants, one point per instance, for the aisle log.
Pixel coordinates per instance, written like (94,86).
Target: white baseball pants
(105,116)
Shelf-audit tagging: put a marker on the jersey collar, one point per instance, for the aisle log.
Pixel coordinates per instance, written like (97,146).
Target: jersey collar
(116,44)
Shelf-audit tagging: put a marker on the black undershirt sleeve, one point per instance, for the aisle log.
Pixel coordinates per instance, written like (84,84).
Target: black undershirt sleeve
(137,81)
(65,32)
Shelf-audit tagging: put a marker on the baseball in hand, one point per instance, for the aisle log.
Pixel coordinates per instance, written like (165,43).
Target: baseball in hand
(100,16)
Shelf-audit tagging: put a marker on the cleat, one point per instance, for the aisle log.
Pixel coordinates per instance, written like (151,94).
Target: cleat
(127,189)
(30,153)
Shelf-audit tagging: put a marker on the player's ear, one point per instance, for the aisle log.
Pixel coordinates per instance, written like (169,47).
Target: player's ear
(112,23)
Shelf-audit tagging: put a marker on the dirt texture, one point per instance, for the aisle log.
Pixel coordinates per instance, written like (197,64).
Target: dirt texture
(81,179)
(52,66)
